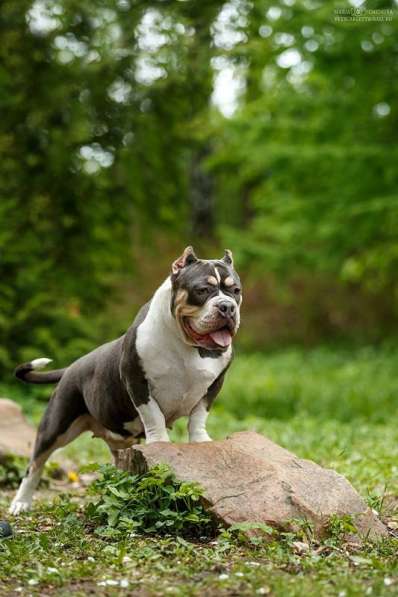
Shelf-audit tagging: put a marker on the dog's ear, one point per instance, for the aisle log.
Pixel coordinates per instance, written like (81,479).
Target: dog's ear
(185,259)
(228,259)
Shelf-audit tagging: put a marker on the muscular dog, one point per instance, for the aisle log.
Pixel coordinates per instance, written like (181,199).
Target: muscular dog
(171,363)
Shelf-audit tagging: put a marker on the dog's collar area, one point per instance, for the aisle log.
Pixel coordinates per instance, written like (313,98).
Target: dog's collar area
(207,353)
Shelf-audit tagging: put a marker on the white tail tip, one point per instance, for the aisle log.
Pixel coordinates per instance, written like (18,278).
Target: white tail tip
(40,363)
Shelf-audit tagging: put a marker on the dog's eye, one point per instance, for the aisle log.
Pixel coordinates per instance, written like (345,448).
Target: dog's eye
(236,290)
(202,290)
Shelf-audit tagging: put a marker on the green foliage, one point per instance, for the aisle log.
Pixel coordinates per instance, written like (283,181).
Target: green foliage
(302,530)
(109,140)
(154,502)
(96,155)
(12,470)
(376,501)
(341,526)
(310,156)
(243,533)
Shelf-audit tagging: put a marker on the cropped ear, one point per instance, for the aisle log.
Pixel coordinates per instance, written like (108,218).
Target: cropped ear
(228,259)
(185,259)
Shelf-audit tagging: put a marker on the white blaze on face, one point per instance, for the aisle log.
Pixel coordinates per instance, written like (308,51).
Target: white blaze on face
(206,316)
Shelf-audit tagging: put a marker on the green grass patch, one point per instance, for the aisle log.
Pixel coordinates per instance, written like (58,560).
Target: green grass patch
(54,552)
(335,407)
(323,382)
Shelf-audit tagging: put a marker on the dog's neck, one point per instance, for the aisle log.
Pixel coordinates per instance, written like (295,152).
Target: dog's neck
(160,311)
(164,324)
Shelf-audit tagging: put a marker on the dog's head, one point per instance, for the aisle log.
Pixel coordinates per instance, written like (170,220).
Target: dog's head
(205,300)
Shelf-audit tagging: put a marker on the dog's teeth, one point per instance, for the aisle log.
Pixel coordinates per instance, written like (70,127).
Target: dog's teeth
(40,363)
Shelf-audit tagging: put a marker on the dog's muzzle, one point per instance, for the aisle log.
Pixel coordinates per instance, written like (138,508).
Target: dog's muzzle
(216,330)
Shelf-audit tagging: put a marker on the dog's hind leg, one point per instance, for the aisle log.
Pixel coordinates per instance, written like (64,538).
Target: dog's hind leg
(23,499)
(66,417)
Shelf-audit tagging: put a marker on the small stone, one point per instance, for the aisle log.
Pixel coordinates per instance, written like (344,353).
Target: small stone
(388,581)
(108,583)
(5,529)
(223,577)
(300,547)
(263,591)
(124,583)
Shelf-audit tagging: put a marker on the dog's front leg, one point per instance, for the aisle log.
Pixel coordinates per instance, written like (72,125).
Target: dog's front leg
(197,423)
(148,409)
(153,421)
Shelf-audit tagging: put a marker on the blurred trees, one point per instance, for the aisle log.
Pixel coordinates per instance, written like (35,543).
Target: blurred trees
(99,103)
(108,135)
(313,149)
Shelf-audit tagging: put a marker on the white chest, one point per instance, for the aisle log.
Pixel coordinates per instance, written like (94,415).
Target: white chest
(178,376)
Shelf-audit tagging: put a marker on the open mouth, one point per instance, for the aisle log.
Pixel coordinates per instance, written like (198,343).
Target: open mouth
(216,339)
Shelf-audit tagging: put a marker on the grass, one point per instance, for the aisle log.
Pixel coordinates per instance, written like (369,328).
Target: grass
(336,407)
(324,382)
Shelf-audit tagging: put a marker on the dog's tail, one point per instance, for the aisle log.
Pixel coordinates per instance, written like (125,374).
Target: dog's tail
(27,372)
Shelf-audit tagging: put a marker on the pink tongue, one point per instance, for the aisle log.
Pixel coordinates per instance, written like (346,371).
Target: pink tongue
(221,337)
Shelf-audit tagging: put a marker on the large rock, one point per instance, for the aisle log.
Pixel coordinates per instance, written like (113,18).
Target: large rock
(16,435)
(248,478)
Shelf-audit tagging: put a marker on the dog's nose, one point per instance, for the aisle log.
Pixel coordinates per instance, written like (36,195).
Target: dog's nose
(226,308)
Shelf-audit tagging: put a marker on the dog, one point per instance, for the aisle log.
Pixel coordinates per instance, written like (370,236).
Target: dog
(171,363)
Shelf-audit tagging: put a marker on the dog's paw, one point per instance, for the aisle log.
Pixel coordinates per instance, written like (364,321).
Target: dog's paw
(152,439)
(200,437)
(18,506)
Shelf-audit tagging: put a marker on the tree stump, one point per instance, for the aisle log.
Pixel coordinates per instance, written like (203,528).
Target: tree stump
(247,478)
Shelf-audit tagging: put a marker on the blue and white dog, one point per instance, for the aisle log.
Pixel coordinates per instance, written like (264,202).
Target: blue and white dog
(170,364)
